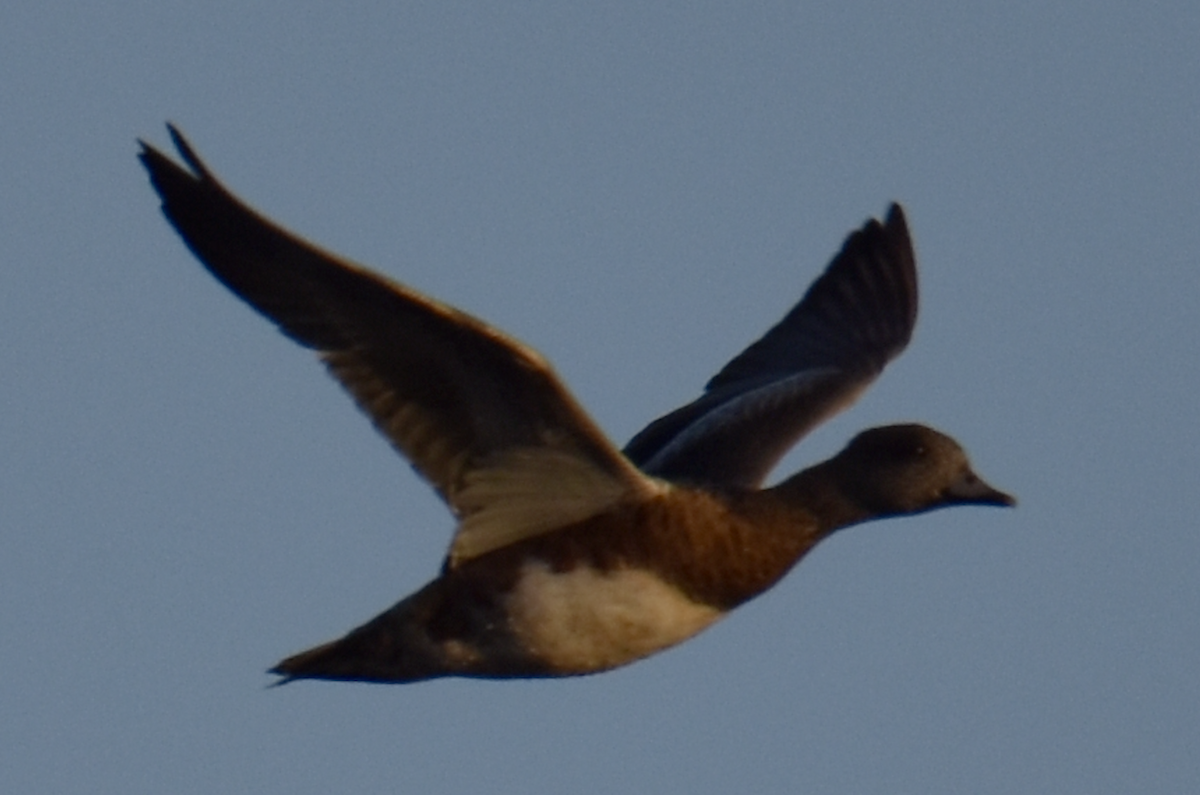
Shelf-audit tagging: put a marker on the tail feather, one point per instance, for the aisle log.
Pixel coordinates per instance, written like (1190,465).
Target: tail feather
(374,652)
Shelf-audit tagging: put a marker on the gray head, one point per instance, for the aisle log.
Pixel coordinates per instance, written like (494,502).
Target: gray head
(899,469)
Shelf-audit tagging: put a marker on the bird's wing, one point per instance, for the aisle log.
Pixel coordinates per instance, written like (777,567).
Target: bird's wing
(481,416)
(815,362)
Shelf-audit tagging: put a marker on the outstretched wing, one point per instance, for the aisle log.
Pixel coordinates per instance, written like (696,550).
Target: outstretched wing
(482,417)
(815,362)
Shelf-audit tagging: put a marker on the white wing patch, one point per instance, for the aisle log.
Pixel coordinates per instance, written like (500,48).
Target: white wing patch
(530,491)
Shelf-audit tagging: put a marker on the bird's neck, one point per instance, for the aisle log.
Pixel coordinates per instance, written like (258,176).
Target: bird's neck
(817,494)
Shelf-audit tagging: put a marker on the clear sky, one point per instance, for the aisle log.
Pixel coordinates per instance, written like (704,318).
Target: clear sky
(638,190)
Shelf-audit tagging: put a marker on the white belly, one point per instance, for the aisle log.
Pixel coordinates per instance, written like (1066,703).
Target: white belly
(584,620)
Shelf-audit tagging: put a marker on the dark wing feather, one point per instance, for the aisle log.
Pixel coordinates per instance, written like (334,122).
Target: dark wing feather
(855,318)
(451,393)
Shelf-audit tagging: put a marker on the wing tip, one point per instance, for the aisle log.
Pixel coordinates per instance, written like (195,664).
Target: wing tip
(156,161)
(896,217)
(187,152)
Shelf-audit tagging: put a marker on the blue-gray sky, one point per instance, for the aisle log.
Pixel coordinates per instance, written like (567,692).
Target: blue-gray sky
(638,190)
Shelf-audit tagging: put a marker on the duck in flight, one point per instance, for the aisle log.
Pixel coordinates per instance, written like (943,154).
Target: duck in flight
(571,556)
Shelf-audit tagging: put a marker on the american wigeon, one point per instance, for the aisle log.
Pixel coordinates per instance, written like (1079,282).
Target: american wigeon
(571,556)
